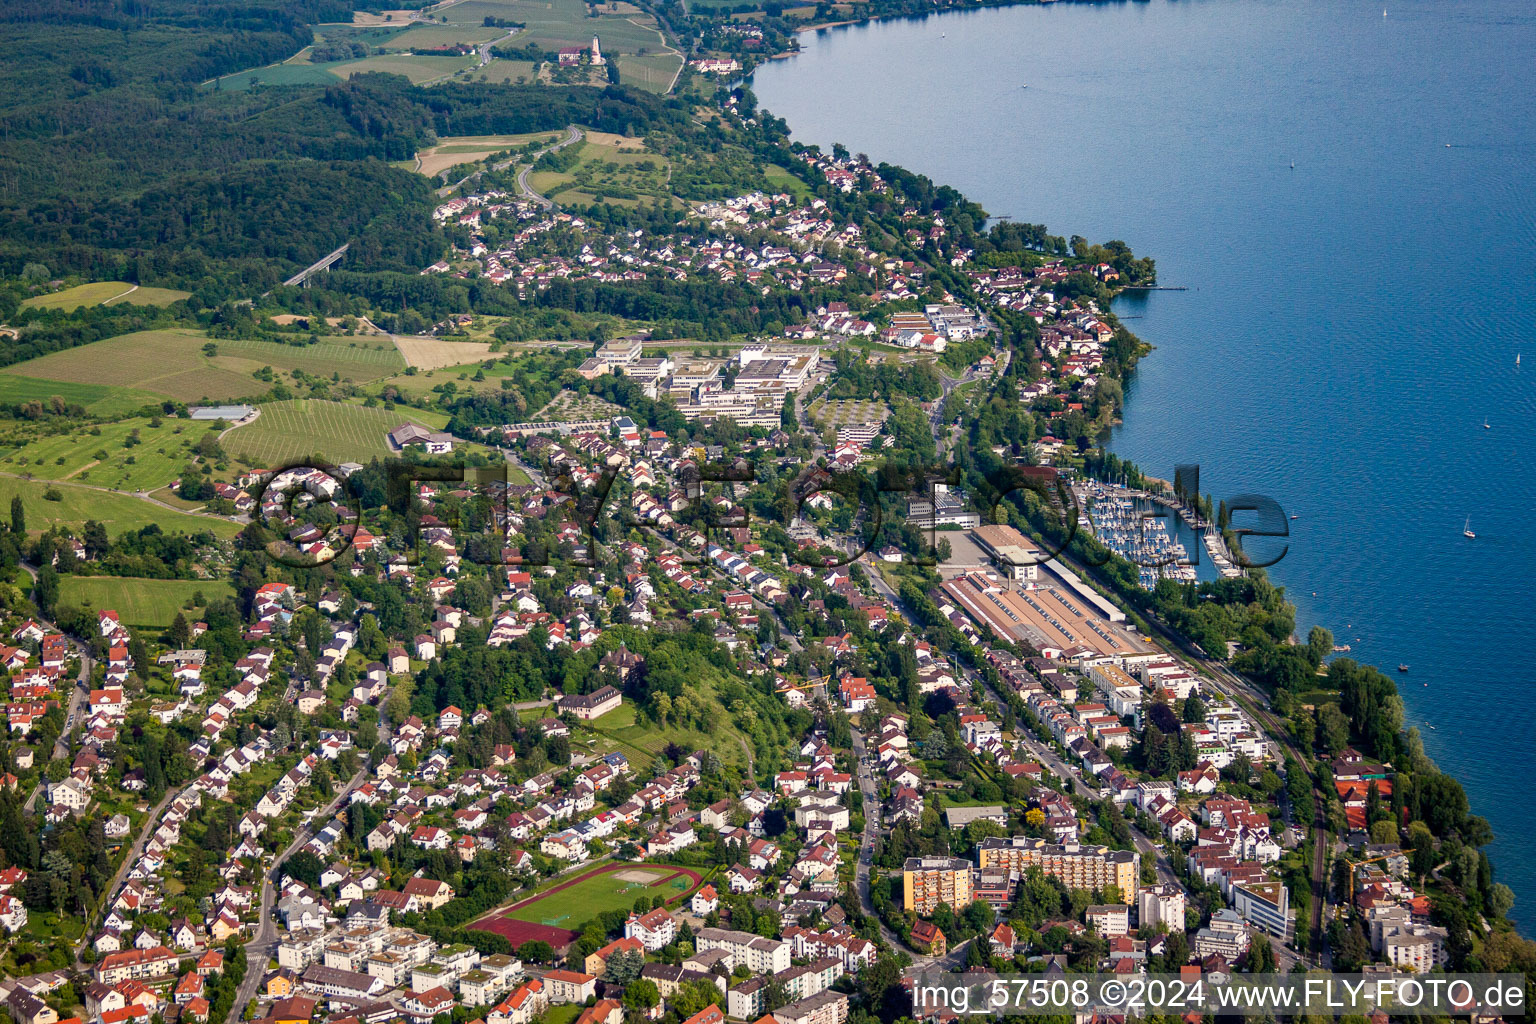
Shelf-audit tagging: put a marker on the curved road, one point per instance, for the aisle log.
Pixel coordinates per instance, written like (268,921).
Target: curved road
(573,136)
(522,175)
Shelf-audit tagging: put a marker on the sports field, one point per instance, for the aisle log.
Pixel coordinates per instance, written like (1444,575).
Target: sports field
(557,914)
(336,430)
(117,512)
(173,364)
(140,602)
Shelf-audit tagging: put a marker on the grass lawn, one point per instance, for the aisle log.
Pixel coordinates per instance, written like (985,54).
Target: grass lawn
(644,738)
(118,512)
(146,296)
(140,602)
(337,430)
(98,399)
(154,461)
(173,364)
(417,68)
(574,906)
(80,295)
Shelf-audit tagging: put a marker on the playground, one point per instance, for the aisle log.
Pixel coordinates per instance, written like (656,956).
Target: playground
(557,914)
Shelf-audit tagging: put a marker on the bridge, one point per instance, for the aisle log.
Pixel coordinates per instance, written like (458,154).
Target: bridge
(324,263)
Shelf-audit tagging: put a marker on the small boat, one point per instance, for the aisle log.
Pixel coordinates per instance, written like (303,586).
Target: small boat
(1486,426)
(1466,530)
(1402,668)
(1432,727)
(1295,516)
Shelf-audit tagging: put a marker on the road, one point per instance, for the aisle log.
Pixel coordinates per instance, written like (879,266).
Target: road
(129,860)
(573,136)
(264,943)
(863,760)
(522,175)
(77,695)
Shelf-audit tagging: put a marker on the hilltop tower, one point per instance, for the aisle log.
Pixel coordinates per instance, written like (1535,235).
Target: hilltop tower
(597,53)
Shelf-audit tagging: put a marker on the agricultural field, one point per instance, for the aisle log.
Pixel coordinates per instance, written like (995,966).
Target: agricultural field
(471,149)
(117,512)
(91,294)
(431,353)
(506,72)
(417,68)
(611,166)
(552,24)
(653,72)
(141,602)
(148,296)
(287,73)
(426,37)
(339,431)
(98,399)
(129,455)
(174,365)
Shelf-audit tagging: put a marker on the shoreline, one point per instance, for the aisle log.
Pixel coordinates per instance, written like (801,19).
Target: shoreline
(1386,670)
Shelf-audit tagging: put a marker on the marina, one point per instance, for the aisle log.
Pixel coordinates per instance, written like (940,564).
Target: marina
(1136,525)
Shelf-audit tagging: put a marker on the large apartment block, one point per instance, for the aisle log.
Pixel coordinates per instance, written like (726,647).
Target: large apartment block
(928,881)
(1075,865)
(762,956)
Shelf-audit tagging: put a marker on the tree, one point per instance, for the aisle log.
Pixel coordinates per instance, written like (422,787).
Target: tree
(536,952)
(18,516)
(1319,645)
(641,994)
(180,633)
(1333,728)
(47,589)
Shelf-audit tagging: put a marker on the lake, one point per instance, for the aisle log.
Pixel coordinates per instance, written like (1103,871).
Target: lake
(1351,322)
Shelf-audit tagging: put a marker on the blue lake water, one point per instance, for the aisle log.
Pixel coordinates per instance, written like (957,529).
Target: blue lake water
(1351,322)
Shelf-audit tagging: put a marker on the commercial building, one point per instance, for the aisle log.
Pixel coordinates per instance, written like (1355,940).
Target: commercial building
(1265,905)
(1053,620)
(1014,554)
